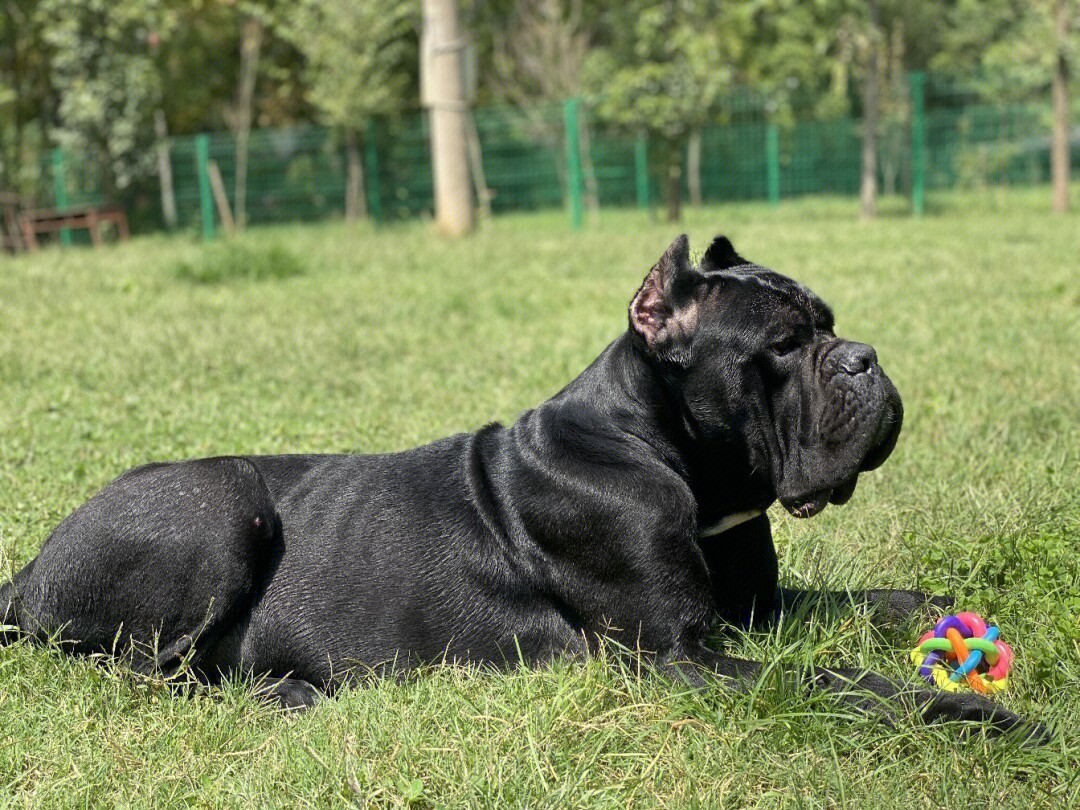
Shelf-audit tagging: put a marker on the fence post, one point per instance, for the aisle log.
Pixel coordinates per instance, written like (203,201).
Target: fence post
(573,162)
(772,162)
(59,168)
(918,142)
(641,170)
(206,200)
(371,171)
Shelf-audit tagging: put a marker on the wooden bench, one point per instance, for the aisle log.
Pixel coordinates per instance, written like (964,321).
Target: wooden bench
(86,217)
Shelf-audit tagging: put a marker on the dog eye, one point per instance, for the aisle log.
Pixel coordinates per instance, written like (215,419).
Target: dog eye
(785,346)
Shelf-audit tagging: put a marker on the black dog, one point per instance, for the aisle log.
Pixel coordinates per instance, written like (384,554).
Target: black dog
(630,505)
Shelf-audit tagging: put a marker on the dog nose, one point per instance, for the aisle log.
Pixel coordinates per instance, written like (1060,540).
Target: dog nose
(856,358)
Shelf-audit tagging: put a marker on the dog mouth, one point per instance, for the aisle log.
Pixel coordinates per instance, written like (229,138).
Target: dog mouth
(827,470)
(885,440)
(806,506)
(812,503)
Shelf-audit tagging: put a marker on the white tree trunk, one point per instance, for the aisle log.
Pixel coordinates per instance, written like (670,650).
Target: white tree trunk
(868,187)
(588,170)
(476,166)
(1059,150)
(165,177)
(250,45)
(693,167)
(449,110)
(355,201)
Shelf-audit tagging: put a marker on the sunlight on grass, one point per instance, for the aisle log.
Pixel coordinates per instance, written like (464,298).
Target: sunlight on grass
(381,340)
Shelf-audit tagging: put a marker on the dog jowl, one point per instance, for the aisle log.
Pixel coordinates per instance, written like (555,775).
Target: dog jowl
(629,505)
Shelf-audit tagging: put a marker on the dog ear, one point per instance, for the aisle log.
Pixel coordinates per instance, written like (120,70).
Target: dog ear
(663,309)
(721,255)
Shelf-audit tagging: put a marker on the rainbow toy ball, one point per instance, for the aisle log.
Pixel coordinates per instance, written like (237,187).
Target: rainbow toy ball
(964,648)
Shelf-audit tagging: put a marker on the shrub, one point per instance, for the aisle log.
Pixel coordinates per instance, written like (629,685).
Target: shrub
(232,261)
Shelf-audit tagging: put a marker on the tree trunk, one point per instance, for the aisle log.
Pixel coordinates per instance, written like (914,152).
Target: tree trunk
(165,178)
(588,170)
(221,199)
(868,186)
(476,168)
(693,167)
(449,111)
(12,177)
(355,201)
(1059,151)
(250,44)
(673,191)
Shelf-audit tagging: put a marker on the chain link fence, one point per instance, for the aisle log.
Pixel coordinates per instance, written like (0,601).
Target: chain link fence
(941,133)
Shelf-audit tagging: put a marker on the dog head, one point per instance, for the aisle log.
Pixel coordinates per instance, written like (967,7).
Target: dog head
(753,361)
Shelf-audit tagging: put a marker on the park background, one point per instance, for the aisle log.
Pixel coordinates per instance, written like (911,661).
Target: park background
(310,110)
(906,160)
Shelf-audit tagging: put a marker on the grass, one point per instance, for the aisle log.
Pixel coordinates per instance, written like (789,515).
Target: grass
(377,341)
(233,261)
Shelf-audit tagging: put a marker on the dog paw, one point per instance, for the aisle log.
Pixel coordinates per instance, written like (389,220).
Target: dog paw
(898,606)
(970,708)
(942,603)
(291,694)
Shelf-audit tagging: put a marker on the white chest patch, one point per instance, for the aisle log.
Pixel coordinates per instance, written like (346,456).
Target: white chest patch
(729,522)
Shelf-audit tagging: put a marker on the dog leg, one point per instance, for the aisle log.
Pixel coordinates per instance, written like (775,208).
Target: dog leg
(881,697)
(743,569)
(863,692)
(156,567)
(886,606)
(704,666)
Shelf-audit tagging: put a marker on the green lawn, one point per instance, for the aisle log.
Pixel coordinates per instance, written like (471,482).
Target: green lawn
(383,340)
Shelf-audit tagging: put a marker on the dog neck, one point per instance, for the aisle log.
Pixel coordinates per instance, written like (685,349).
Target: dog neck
(629,394)
(729,522)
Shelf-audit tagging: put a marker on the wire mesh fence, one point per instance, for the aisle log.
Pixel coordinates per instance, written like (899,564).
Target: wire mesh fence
(940,132)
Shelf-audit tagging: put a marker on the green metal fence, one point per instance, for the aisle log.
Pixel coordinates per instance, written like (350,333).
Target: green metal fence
(937,132)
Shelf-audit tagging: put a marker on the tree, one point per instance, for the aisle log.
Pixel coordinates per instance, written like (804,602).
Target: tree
(539,51)
(1060,154)
(239,115)
(255,18)
(199,62)
(834,58)
(106,81)
(443,55)
(666,65)
(1027,47)
(538,54)
(356,67)
(871,113)
(27,97)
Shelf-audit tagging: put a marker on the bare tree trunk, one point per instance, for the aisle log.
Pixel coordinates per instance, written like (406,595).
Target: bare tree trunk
(588,170)
(674,185)
(1059,151)
(868,186)
(894,120)
(165,178)
(693,167)
(355,201)
(221,199)
(476,167)
(12,176)
(250,44)
(443,62)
